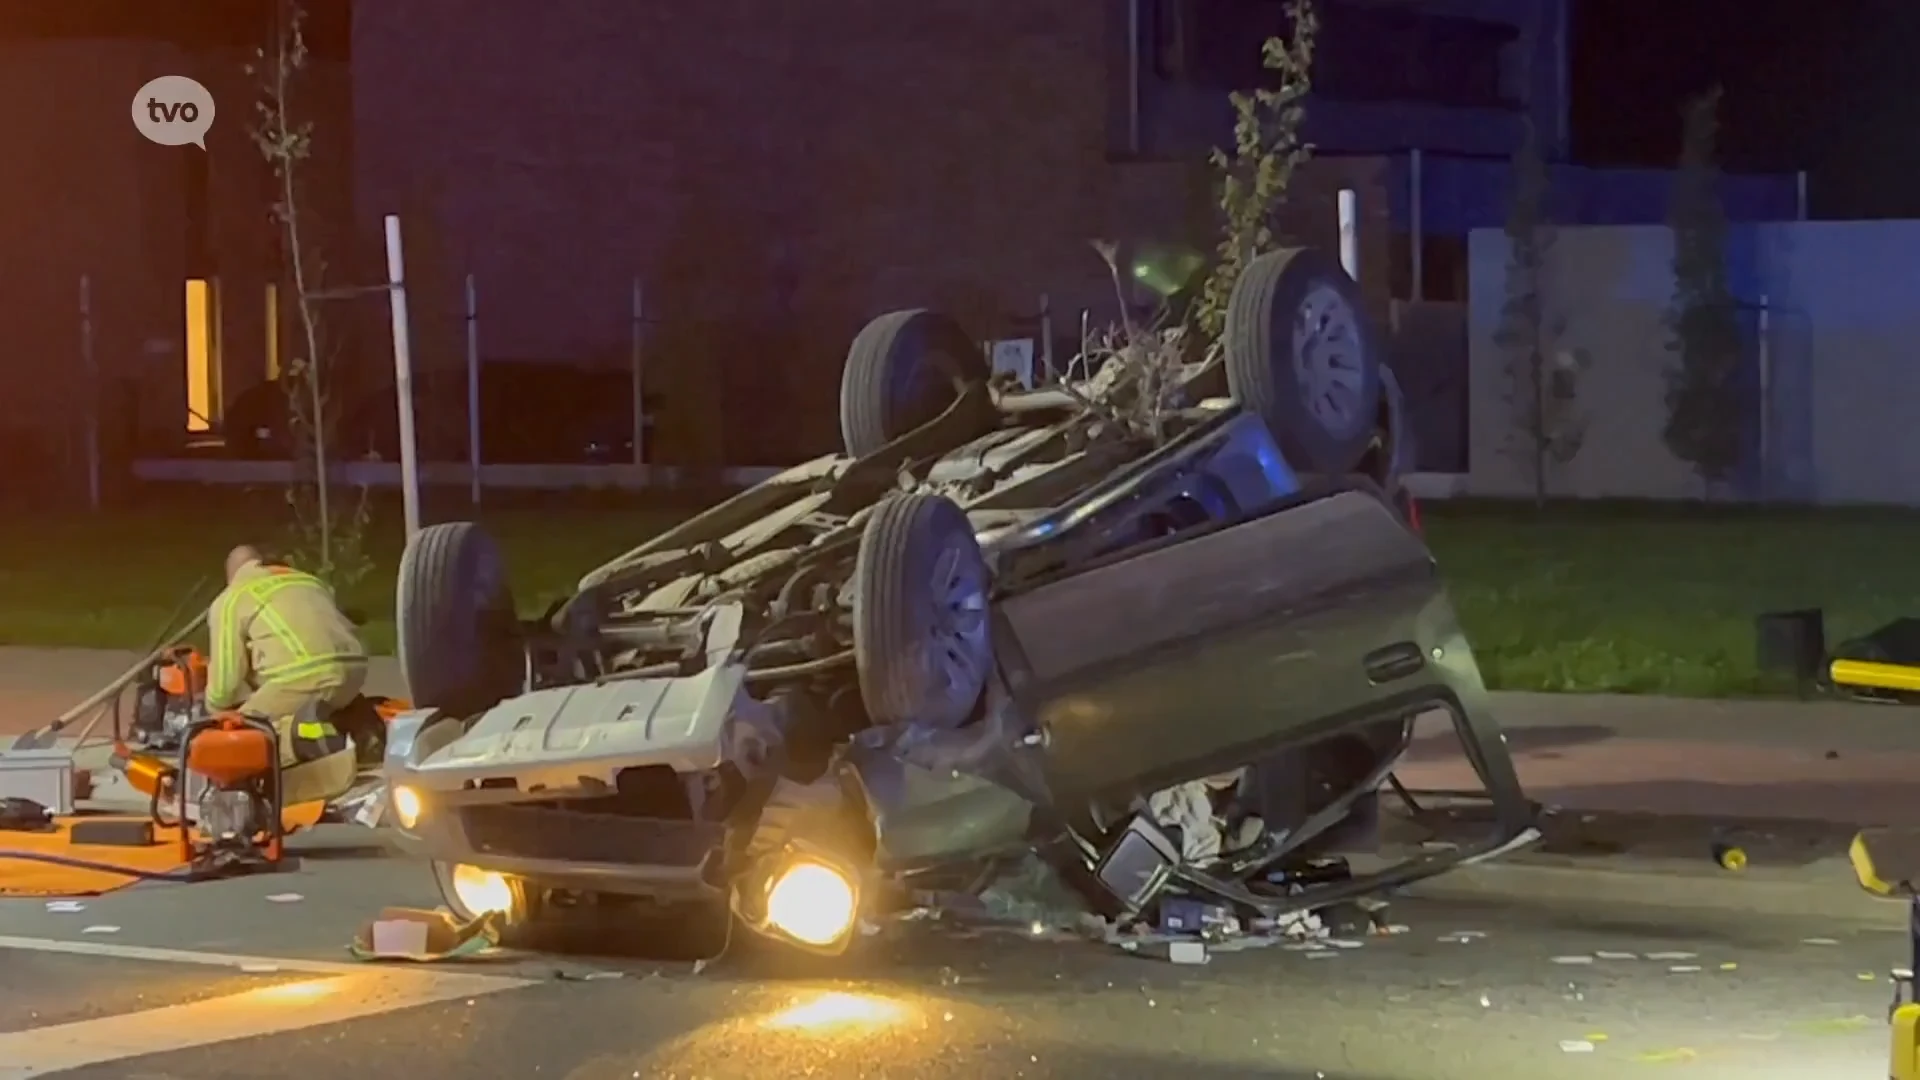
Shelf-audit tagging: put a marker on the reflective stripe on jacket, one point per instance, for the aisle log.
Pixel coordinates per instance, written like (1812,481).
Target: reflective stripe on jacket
(280,626)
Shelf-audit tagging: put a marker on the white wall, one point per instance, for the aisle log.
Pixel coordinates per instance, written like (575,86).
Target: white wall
(1842,336)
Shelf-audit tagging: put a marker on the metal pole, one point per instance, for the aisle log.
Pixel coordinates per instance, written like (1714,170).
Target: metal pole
(473,393)
(1764,362)
(636,361)
(1800,195)
(403,377)
(1417,222)
(1046,337)
(1349,233)
(91,376)
(1086,344)
(1135,46)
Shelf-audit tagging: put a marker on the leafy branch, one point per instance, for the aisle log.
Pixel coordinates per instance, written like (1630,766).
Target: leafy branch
(1542,378)
(1704,422)
(1267,151)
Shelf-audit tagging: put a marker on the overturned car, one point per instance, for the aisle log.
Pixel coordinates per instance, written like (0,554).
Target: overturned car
(1002,622)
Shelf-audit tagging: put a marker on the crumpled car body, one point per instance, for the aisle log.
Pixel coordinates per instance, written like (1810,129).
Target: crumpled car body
(1086,616)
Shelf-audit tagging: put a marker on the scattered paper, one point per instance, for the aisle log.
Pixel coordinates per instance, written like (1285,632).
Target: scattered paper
(1672,956)
(399,937)
(1617,955)
(285,898)
(101,930)
(1684,969)
(1573,959)
(66,907)
(1818,941)
(1575,1046)
(699,966)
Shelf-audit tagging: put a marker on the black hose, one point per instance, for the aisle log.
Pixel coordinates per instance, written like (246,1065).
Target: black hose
(98,867)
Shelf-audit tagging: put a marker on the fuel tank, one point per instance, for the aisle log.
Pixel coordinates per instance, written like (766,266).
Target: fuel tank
(1216,648)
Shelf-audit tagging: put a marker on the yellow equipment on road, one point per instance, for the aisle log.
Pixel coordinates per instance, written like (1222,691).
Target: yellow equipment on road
(1886,862)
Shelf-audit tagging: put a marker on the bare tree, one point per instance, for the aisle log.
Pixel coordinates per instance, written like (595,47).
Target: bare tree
(330,543)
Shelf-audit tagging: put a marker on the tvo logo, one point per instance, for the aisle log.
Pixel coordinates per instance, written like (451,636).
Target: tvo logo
(173,110)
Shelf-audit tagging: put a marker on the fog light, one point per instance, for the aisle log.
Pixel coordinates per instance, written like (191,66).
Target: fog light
(481,891)
(812,903)
(407,806)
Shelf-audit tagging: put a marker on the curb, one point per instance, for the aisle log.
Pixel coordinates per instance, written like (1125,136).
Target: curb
(1830,895)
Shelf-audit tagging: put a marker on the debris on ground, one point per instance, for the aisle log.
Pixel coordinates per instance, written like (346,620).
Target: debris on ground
(285,898)
(569,975)
(423,936)
(1031,899)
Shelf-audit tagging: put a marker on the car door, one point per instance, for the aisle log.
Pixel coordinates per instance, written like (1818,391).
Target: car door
(1217,648)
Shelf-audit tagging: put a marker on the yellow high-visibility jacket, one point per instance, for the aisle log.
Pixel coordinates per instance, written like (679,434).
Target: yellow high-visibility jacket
(279,626)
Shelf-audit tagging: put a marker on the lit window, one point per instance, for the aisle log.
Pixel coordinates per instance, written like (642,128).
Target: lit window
(199,355)
(273,331)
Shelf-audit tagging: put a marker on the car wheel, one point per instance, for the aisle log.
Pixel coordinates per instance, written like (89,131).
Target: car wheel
(920,638)
(1303,356)
(904,369)
(460,647)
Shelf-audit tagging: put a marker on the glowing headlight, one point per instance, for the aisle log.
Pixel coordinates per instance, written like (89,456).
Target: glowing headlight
(481,891)
(812,903)
(407,806)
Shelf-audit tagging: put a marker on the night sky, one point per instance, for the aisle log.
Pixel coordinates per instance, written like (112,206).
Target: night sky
(1831,87)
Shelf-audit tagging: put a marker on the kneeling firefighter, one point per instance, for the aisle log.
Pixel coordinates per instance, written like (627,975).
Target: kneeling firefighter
(282,652)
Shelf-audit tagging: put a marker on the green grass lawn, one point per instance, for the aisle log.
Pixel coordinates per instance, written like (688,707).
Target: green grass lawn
(1576,598)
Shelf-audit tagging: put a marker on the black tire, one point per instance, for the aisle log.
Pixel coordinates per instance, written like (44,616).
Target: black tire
(920,638)
(1322,409)
(903,369)
(460,647)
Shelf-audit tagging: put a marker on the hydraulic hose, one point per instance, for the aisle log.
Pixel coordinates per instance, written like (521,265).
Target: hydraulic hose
(97,867)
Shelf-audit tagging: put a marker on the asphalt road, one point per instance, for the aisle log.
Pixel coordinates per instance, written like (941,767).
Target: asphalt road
(218,981)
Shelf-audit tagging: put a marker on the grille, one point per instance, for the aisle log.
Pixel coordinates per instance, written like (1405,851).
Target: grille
(536,832)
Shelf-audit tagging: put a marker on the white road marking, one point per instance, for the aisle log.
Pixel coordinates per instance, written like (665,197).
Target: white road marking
(113,950)
(346,992)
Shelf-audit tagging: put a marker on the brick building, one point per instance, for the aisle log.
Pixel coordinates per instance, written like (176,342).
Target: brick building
(773,175)
(174,244)
(776,174)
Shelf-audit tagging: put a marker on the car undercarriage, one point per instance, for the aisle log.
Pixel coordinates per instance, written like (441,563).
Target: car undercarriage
(1003,621)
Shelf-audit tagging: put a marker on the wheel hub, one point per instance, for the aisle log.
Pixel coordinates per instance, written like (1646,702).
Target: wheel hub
(1329,360)
(956,647)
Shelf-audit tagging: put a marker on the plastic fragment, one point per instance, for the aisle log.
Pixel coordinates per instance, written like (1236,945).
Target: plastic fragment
(1818,941)
(1603,955)
(1576,1046)
(1187,952)
(1684,969)
(1672,956)
(285,898)
(101,930)
(1573,960)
